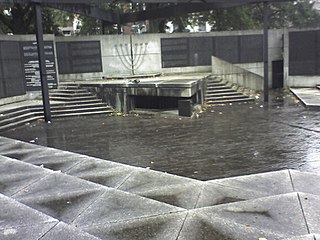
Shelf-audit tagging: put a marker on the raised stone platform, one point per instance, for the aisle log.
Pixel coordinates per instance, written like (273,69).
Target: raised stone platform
(53,194)
(120,93)
(310,97)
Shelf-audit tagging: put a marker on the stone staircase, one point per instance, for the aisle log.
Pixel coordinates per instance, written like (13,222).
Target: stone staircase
(66,101)
(220,92)
(76,101)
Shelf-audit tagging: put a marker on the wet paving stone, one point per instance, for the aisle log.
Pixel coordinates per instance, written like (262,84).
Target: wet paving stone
(18,221)
(64,231)
(167,188)
(60,196)
(267,218)
(160,227)
(224,141)
(103,172)
(16,175)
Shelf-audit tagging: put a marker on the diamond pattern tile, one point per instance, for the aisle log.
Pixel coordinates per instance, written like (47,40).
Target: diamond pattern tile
(60,196)
(174,190)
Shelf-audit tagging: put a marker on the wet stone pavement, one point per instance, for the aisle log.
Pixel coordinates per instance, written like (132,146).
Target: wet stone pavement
(224,141)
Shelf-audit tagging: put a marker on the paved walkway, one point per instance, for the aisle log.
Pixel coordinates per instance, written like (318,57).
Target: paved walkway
(53,194)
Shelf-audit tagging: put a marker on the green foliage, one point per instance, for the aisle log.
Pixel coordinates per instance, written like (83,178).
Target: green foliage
(20,19)
(298,14)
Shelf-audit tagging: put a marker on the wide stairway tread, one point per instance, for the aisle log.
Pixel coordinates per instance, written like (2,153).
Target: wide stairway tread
(220,92)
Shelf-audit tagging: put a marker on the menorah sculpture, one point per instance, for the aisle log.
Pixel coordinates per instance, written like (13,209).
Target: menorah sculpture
(131,56)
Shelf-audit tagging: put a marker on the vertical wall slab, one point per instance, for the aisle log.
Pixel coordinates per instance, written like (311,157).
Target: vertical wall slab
(302,58)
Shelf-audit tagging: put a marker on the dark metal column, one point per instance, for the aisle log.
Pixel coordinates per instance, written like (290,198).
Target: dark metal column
(265,50)
(42,63)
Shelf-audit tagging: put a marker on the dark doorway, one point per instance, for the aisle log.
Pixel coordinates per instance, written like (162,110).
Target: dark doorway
(277,74)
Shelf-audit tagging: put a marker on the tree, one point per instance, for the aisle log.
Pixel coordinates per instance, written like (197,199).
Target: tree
(298,14)
(17,19)
(20,19)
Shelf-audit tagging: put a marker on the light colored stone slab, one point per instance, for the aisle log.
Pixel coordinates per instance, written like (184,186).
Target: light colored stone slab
(15,215)
(159,227)
(117,206)
(64,231)
(305,182)
(311,207)
(167,188)
(102,172)
(16,175)
(271,183)
(60,196)
(269,217)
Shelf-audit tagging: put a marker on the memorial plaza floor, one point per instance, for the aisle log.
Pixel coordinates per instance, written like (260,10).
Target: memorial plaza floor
(248,171)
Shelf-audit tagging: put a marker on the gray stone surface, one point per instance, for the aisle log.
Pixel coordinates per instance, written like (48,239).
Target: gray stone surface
(305,182)
(18,221)
(60,196)
(38,155)
(215,194)
(304,237)
(269,217)
(31,232)
(115,206)
(16,175)
(167,188)
(137,203)
(311,208)
(158,227)
(310,97)
(64,231)
(270,183)
(102,172)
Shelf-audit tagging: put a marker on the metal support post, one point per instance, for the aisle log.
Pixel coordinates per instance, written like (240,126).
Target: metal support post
(265,50)
(42,63)
(131,55)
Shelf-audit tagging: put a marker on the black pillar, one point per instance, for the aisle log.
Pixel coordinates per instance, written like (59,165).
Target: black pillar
(265,50)
(42,63)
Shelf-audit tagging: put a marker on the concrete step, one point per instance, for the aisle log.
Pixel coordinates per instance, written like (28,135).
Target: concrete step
(212,88)
(216,84)
(228,90)
(19,123)
(227,97)
(13,113)
(238,100)
(70,95)
(25,116)
(214,78)
(220,94)
(70,105)
(318,87)
(72,98)
(62,90)
(106,112)
(81,110)
(68,86)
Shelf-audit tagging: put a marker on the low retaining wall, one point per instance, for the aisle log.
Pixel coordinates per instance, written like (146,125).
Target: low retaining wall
(236,74)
